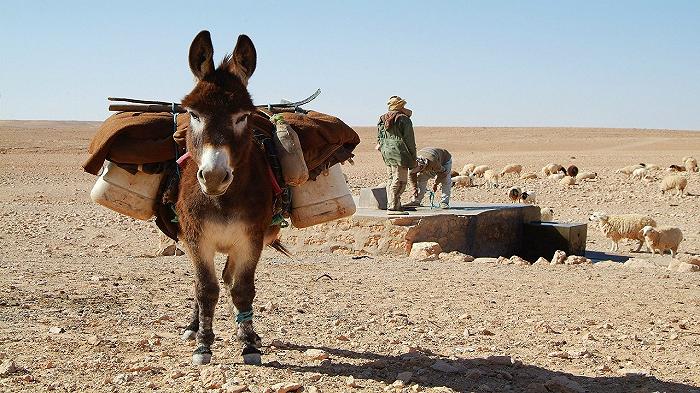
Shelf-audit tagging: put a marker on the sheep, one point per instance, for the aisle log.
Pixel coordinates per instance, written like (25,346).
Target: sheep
(546,214)
(463,181)
(676,168)
(480,170)
(629,169)
(572,170)
(528,176)
(467,169)
(567,181)
(662,239)
(652,167)
(514,194)
(491,178)
(512,168)
(640,173)
(586,176)
(691,164)
(622,226)
(671,182)
(551,168)
(558,175)
(529,197)
(454,173)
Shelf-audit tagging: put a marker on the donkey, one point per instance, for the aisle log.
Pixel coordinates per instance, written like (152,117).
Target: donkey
(225,201)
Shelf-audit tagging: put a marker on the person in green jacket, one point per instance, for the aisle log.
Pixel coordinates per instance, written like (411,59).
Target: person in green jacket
(397,143)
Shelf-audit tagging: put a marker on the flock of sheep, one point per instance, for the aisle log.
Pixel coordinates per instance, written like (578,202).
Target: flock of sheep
(615,227)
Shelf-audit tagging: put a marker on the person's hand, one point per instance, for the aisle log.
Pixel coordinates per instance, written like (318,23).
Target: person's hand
(376,147)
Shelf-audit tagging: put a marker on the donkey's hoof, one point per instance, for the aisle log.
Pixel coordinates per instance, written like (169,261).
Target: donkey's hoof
(252,356)
(188,335)
(201,355)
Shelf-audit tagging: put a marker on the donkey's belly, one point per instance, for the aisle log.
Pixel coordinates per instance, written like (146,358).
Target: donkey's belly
(228,237)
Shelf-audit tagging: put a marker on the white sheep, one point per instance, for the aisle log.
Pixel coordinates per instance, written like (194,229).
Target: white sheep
(491,178)
(671,182)
(556,176)
(652,167)
(662,238)
(529,197)
(546,214)
(514,194)
(528,176)
(551,168)
(480,170)
(691,164)
(467,169)
(586,176)
(622,226)
(512,168)
(640,173)
(567,181)
(463,181)
(629,169)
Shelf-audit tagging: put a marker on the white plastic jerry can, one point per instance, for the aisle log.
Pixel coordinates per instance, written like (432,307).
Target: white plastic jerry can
(325,199)
(130,194)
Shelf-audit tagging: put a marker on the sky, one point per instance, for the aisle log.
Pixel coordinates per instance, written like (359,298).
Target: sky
(457,63)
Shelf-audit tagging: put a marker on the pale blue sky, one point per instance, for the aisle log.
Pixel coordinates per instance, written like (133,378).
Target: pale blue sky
(466,63)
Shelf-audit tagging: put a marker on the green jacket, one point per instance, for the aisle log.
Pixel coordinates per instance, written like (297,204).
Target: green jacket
(397,143)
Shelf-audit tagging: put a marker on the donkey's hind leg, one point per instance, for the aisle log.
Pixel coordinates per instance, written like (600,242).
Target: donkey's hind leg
(190,332)
(206,287)
(239,277)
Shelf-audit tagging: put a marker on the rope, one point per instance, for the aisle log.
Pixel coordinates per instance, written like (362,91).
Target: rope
(432,200)
(244,316)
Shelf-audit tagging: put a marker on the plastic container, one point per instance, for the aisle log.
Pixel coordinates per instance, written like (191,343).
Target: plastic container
(325,199)
(291,156)
(130,194)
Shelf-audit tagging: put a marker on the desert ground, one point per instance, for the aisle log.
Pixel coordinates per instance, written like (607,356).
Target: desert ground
(85,305)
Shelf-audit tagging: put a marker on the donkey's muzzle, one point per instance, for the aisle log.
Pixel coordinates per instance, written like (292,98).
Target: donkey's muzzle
(214,181)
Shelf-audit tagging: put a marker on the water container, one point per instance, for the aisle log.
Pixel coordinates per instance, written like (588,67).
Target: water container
(130,194)
(326,199)
(289,151)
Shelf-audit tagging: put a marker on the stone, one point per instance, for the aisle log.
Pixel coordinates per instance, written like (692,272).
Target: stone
(373,198)
(682,267)
(455,256)
(504,261)
(486,260)
(425,251)
(8,367)
(577,260)
(315,354)
(269,306)
(350,382)
(444,367)
(94,340)
(542,239)
(405,377)
(559,354)
(630,372)
(121,379)
(536,388)
(177,374)
(56,330)
(541,262)
(516,260)
(312,389)
(558,258)
(640,263)
(562,384)
(212,377)
(285,387)
(500,360)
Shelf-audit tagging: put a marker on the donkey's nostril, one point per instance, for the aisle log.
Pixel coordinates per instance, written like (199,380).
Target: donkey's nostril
(227,178)
(200,175)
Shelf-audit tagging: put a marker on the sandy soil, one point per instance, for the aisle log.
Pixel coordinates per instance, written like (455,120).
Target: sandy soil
(85,307)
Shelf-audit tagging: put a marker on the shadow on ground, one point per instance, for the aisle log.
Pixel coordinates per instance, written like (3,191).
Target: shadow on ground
(498,373)
(597,256)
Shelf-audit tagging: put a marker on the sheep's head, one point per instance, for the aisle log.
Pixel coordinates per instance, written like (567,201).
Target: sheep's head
(646,230)
(598,217)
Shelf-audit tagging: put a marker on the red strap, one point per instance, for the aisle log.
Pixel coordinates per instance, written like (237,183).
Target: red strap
(275,186)
(181,161)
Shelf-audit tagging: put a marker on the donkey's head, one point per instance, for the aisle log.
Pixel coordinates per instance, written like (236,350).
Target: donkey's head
(219,139)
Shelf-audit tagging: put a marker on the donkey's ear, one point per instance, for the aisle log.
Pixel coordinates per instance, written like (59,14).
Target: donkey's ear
(244,59)
(202,55)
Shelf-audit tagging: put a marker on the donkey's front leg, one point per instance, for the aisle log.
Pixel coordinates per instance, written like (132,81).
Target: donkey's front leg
(190,332)
(206,288)
(239,277)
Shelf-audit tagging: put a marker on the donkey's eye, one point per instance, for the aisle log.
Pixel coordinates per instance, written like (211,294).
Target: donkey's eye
(242,119)
(194,116)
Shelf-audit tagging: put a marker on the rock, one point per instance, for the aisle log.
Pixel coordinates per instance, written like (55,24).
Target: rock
(682,267)
(269,306)
(285,387)
(56,330)
(577,260)
(486,260)
(312,389)
(212,377)
(473,374)
(425,251)
(634,372)
(313,377)
(455,256)
(608,263)
(350,382)
(541,262)
(485,332)
(8,367)
(404,377)
(342,337)
(559,354)
(151,385)
(504,261)
(315,354)
(444,367)
(516,260)
(500,360)
(94,340)
(536,387)
(98,278)
(640,263)
(177,374)
(558,258)
(121,379)
(563,384)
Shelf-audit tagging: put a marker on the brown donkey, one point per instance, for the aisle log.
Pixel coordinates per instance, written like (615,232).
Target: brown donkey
(226,196)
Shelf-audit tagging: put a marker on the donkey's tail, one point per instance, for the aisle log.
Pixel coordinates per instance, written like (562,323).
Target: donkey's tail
(278,246)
